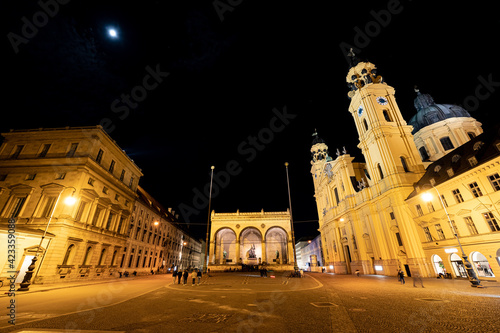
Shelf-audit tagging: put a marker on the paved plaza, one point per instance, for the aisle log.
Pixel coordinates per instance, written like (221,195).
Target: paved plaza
(246,302)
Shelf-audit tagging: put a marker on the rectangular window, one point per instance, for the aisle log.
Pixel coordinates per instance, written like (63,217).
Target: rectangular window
(420,212)
(49,205)
(45,150)
(458,196)
(495,181)
(492,222)
(72,150)
(95,219)
(17,151)
(17,206)
(112,166)
(428,235)
(444,200)
(440,231)
(470,225)
(31,176)
(110,220)
(80,211)
(476,191)
(98,159)
(430,207)
(131,182)
(122,175)
(398,237)
(472,161)
(446,142)
(336,196)
(455,227)
(60,176)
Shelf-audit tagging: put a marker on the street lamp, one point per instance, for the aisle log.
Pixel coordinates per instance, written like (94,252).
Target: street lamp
(208,219)
(31,269)
(427,196)
(155,223)
(295,267)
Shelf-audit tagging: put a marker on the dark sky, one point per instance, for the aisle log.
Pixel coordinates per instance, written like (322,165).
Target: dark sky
(224,74)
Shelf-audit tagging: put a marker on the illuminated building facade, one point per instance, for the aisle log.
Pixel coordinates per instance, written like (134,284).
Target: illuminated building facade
(94,237)
(366,209)
(250,238)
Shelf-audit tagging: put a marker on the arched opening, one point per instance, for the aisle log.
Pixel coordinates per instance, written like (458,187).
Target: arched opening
(481,265)
(365,124)
(102,257)
(381,173)
(276,246)
(88,255)
(69,255)
(386,116)
(458,266)
(438,264)
(225,247)
(250,246)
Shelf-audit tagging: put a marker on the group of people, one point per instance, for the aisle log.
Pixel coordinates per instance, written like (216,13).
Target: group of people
(184,275)
(416,277)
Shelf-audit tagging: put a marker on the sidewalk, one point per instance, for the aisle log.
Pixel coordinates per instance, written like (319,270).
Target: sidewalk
(53,286)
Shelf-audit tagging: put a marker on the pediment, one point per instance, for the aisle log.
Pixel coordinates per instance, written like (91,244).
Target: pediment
(463,212)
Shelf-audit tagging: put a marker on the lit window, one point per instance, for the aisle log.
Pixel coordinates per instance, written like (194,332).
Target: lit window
(458,196)
(440,231)
(495,181)
(420,212)
(492,222)
(476,191)
(470,225)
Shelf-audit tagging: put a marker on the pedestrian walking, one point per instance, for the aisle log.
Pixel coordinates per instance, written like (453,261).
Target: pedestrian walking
(174,275)
(185,277)
(179,277)
(193,277)
(417,277)
(401,277)
(198,275)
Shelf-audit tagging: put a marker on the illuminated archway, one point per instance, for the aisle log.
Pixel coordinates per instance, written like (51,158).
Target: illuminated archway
(225,246)
(276,245)
(481,265)
(250,246)
(438,264)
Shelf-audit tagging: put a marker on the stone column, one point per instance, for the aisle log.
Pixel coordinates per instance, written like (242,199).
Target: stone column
(238,254)
(263,246)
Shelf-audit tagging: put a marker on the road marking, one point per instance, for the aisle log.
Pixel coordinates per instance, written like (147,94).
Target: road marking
(323,304)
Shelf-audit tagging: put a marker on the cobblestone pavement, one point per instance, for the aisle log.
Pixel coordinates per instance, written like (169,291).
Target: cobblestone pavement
(245,302)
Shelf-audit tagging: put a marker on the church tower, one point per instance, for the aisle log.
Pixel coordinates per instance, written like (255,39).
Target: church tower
(385,139)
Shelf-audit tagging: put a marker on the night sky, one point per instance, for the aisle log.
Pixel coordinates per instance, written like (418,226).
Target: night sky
(240,85)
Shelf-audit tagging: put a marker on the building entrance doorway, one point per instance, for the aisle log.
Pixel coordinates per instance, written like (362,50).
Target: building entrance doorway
(24,268)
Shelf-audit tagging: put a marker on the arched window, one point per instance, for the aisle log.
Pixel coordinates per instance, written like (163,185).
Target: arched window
(88,254)
(381,173)
(102,257)
(113,258)
(68,254)
(365,124)
(386,115)
(405,166)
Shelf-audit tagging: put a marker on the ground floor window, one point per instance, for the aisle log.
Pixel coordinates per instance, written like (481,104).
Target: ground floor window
(458,266)
(481,265)
(438,264)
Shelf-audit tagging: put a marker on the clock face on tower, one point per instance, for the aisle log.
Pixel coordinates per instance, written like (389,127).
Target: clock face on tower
(360,110)
(381,100)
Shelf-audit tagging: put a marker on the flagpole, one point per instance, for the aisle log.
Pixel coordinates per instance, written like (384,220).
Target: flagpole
(291,219)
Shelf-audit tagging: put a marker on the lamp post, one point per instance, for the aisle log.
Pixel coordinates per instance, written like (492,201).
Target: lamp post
(31,269)
(295,267)
(208,219)
(470,271)
(155,223)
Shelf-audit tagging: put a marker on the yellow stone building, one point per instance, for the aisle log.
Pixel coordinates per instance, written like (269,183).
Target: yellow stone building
(366,210)
(89,239)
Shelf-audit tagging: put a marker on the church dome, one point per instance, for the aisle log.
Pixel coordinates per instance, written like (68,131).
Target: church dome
(428,112)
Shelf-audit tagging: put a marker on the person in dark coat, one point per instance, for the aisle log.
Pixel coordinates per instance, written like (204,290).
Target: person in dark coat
(198,274)
(179,277)
(185,277)
(174,275)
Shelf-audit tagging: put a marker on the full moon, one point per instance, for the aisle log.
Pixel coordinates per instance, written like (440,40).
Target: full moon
(112,33)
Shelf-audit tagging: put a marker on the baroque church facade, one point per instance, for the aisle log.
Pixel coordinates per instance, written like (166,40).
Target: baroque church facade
(368,216)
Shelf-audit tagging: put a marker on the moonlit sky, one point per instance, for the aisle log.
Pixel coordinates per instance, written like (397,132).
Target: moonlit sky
(225,77)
